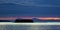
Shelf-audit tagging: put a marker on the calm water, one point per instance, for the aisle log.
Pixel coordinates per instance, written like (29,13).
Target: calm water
(29,27)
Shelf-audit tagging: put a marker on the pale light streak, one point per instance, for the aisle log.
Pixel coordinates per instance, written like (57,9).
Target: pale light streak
(49,18)
(40,18)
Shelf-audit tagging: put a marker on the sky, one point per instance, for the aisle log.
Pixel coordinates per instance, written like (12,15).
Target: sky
(30,8)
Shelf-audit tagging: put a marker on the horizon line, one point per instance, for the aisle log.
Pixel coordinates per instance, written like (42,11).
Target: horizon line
(40,18)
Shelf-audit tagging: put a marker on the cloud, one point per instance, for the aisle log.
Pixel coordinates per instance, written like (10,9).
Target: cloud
(38,3)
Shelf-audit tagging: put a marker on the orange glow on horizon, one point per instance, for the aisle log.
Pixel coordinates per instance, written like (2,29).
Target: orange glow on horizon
(49,18)
(25,17)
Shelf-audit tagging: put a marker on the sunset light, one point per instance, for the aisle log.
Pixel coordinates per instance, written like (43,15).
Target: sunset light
(40,18)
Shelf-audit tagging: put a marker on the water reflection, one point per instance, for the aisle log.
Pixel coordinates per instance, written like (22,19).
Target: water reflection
(29,27)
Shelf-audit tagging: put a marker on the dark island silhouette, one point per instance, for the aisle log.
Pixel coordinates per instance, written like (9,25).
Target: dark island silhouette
(29,20)
(24,20)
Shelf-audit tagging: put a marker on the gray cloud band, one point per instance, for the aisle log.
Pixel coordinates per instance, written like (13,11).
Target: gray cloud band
(28,3)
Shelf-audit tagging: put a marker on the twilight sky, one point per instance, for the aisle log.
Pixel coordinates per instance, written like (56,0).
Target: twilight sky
(30,8)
